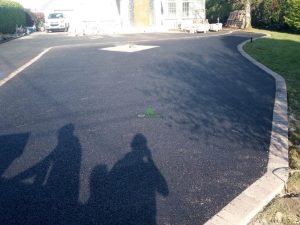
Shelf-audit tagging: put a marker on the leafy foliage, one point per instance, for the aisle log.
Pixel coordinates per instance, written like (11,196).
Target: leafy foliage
(218,9)
(11,14)
(222,8)
(292,14)
(30,18)
(270,14)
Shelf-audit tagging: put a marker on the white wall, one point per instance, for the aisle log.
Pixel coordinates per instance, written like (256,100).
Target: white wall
(124,6)
(197,10)
(92,16)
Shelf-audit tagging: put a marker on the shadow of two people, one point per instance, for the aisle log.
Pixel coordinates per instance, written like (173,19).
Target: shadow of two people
(127,194)
(124,195)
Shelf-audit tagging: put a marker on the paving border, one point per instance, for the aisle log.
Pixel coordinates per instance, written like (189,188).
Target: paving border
(21,68)
(242,209)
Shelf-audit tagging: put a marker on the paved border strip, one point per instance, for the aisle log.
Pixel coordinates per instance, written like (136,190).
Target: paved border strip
(20,69)
(243,208)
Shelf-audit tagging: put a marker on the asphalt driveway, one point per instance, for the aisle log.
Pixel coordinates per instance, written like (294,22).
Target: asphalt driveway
(75,150)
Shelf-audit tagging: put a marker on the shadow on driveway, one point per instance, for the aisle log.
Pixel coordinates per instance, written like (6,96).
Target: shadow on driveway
(48,192)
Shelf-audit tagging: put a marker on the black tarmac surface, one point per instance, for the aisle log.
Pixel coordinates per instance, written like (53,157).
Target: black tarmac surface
(73,149)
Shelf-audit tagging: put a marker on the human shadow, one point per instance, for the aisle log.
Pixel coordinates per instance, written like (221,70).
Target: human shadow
(127,193)
(52,197)
(48,192)
(11,147)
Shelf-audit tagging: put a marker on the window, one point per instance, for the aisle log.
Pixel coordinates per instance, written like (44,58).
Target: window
(186,8)
(55,16)
(171,9)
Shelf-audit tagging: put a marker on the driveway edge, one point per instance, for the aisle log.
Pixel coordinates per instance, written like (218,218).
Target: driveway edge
(244,207)
(36,58)
(20,69)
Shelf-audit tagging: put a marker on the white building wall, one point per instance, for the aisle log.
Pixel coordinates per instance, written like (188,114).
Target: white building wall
(196,11)
(94,16)
(158,13)
(98,15)
(125,17)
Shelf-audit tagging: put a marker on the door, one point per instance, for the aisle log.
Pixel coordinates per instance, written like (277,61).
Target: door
(141,13)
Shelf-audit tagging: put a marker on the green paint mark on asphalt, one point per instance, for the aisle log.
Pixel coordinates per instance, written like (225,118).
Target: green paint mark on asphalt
(150,113)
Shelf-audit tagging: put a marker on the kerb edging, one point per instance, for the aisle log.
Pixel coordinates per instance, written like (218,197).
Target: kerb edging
(244,207)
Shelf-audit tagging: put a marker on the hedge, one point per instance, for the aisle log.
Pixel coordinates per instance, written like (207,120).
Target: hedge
(218,9)
(11,14)
(292,14)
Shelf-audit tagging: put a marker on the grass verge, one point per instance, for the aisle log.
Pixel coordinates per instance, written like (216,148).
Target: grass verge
(281,53)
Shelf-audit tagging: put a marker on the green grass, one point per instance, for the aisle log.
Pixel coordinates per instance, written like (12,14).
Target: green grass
(281,53)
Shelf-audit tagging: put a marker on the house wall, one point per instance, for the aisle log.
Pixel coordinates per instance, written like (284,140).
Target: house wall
(173,21)
(94,16)
(159,13)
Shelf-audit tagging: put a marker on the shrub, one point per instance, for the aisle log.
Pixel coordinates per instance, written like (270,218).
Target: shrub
(11,14)
(292,14)
(277,15)
(269,14)
(218,9)
(29,18)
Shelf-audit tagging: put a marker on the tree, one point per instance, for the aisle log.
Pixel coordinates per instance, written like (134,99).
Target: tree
(248,13)
(218,9)
(292,14)
(222,9)
(270,14)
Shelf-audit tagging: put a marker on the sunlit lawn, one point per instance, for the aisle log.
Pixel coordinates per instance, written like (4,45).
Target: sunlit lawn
(281,53)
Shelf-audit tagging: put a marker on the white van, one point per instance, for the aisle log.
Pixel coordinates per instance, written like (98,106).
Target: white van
(56,22)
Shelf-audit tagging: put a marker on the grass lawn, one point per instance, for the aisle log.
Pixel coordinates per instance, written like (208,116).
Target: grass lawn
(281,53)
